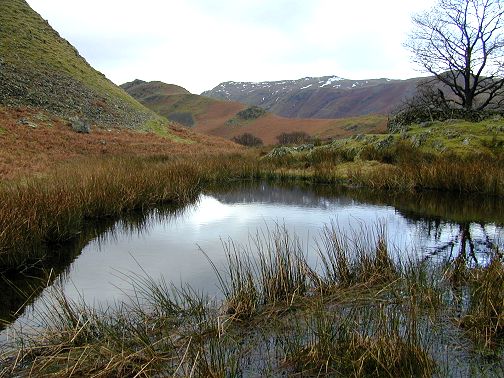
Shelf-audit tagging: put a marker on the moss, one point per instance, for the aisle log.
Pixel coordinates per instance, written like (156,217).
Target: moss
(161,128)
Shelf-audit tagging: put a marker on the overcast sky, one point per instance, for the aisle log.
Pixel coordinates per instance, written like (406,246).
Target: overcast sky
(200,43)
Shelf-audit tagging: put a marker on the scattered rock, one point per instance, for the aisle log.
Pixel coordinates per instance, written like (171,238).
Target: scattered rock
(438,145)
(385,142)
(26,122)
(80,126)
(466,141)
(304,147)
(352,127)
(419,139)
(451,134)
(280,152)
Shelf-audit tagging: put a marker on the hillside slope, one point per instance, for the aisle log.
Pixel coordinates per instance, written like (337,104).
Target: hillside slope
(319,97)
(48,92)
(40,69)
(219,118)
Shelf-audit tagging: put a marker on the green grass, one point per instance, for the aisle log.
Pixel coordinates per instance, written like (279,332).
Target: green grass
(161,127)
(181,103)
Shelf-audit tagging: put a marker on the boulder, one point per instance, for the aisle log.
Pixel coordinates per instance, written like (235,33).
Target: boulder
(80,126)
(26,122)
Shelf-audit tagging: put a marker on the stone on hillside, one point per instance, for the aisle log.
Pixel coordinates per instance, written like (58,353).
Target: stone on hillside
(80,126)
(304,147)
(387,142)
(280,152)
(24,121)
(418,140)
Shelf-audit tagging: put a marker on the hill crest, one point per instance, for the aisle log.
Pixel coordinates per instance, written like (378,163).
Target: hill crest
(221,118)
(319,97)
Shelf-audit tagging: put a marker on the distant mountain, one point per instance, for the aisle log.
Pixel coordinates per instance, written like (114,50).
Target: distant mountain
(40,69)
(319,97)
(221,118)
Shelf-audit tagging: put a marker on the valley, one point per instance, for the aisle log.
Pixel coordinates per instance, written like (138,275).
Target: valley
(360,238)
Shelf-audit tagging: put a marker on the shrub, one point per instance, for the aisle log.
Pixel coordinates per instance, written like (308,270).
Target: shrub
(247,139)
(253,112)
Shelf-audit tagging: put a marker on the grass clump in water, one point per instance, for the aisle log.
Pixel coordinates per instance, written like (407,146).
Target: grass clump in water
(484,320)
(357,311)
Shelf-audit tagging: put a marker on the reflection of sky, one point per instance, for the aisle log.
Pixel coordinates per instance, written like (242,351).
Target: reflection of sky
(172,247)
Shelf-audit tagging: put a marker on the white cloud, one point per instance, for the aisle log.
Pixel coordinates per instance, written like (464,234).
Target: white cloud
(200,43)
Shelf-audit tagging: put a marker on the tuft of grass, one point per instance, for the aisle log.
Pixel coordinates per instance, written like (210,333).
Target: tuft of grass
(274,319)
(484,320)
(354,260)
(361,342)
(272,270)
(52,208)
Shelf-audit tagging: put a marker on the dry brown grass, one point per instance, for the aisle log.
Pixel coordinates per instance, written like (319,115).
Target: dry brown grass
(484,320)
(28,150)
(270,126)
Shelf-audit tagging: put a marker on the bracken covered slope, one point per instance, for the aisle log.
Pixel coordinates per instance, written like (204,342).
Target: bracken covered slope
(220,118)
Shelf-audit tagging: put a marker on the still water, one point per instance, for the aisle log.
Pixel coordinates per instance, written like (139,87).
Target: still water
(172,243)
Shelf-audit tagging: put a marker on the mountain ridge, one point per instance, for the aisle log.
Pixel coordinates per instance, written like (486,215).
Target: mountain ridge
(324,97)
(220,118)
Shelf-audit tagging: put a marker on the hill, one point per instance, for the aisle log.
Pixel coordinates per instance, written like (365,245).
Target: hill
(319,97)
(220,118)
(40,69)
(48,92)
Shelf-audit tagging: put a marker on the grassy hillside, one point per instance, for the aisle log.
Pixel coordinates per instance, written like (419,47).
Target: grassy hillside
(454,156)
(40,69)
(219,118)
(142,90)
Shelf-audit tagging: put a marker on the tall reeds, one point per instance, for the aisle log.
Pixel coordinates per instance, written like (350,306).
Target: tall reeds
(358,312)
(52,208)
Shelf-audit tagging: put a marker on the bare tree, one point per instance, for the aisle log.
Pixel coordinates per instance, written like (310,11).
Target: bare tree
(461,42)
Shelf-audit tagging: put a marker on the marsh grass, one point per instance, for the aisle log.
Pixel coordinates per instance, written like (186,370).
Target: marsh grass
(53,208)
(484,319)
(359,312)
(399,166)
(357,342)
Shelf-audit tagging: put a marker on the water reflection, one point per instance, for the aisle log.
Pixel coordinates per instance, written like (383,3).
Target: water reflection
(168,242)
